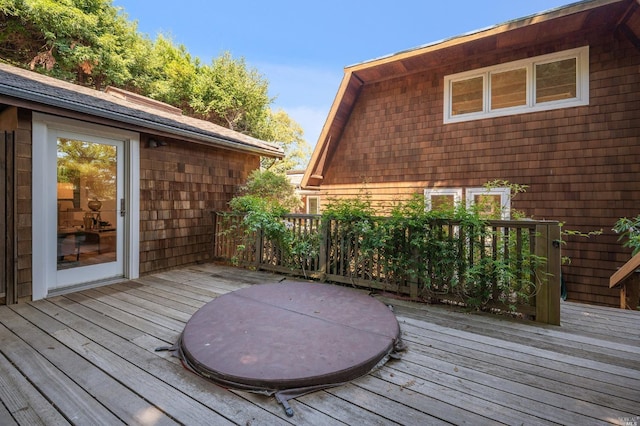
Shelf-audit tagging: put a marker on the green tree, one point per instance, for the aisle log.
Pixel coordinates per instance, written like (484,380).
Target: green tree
(94,163)
(267,190)
(171,73)
(92,43)
(281,129)
(86,41)
(230,94)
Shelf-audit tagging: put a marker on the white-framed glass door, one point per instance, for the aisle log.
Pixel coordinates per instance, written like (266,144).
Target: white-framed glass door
(90,208)
(76,244)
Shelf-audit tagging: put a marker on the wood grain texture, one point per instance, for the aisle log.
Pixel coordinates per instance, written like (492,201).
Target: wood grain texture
(89,358)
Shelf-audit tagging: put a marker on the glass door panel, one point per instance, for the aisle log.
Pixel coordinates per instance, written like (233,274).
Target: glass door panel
(88,197)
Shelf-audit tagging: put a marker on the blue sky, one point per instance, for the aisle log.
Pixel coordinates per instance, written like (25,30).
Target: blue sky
(301,47)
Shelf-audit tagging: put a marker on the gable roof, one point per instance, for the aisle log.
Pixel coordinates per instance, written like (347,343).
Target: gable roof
(548,25)
(33,90)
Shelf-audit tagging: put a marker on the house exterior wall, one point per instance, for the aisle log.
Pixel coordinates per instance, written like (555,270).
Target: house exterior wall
(180,185)
(19,120)
(24,209)
(581,164)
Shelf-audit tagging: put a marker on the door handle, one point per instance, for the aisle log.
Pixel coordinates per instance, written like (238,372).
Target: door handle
(123,210)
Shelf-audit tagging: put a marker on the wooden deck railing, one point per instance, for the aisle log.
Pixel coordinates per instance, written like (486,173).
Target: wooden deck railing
(526,280)
(628,279)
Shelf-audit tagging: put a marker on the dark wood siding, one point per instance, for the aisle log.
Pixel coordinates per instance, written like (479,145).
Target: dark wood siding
(7,228)
(23,214)
(180,184)
(582,164)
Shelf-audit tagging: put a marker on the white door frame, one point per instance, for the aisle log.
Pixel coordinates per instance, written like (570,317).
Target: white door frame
(44,238)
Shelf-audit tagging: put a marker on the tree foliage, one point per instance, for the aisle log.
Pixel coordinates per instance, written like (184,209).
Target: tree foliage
(280,128)
(92,43)
(86,41)
(266,190)
(229,92)
(171,73)
(629,230)
(92,162)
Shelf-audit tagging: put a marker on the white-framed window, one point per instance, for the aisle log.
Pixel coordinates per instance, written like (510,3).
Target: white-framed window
(494,203)
(557,80)
(442,198)
(313,205)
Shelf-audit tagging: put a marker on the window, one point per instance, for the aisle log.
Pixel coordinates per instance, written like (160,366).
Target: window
(509,88)
(313,205)
(558,80)
(442,198)
(467,96)
(494,203)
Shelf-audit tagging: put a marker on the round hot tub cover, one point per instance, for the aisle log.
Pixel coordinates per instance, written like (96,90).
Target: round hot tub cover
(289,338)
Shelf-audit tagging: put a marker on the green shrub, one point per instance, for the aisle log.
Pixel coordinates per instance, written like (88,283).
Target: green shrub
(629,230)
(448,253)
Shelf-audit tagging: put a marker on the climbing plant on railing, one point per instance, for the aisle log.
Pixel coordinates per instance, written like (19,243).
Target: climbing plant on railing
(451,253)
(454,254)
(629,230)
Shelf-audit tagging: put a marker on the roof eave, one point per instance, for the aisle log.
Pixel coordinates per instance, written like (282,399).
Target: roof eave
(313,177)
(511,25)
(123,118)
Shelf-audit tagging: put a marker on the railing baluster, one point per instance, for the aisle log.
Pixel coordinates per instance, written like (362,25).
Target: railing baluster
(340,256)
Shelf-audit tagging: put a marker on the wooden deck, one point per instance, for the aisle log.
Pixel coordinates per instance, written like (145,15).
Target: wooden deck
(88,358)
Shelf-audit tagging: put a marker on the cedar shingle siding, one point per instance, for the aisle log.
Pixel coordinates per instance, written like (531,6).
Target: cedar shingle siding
(582,164)
(195,171)
(23,213)
(180,184)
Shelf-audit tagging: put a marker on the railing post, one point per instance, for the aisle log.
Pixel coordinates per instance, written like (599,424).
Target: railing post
(214,239)
(259,248)
(628,281)
(324,247)
(548,273)
(629,292)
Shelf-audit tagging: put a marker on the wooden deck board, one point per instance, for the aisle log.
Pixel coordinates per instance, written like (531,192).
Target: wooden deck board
(89,358)
(568,396)
(74,400)
(526,368)
(23,401)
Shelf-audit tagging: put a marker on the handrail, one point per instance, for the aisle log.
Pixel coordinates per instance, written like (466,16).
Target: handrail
(625,272)
(628,283)
(533,289)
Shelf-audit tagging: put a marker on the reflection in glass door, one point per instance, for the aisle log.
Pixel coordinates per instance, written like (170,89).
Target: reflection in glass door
(88,203)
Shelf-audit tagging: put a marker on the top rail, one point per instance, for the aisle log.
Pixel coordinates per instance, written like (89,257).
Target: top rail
(505,265)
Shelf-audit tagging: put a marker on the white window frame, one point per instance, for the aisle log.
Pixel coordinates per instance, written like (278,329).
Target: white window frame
(505,199)
(309,197)
(582,86)
(456,192)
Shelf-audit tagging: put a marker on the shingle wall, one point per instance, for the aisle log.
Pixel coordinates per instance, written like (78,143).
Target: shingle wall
(582,164)
(180,184)
(23,217)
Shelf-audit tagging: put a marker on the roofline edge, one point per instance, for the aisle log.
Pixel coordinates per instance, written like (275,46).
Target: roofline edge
(123,118)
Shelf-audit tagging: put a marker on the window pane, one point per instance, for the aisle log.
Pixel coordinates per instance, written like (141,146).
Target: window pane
(87,186)
(443,202)
(509,88)
(556,80)
(466,96)
(489,205)
(314,207)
